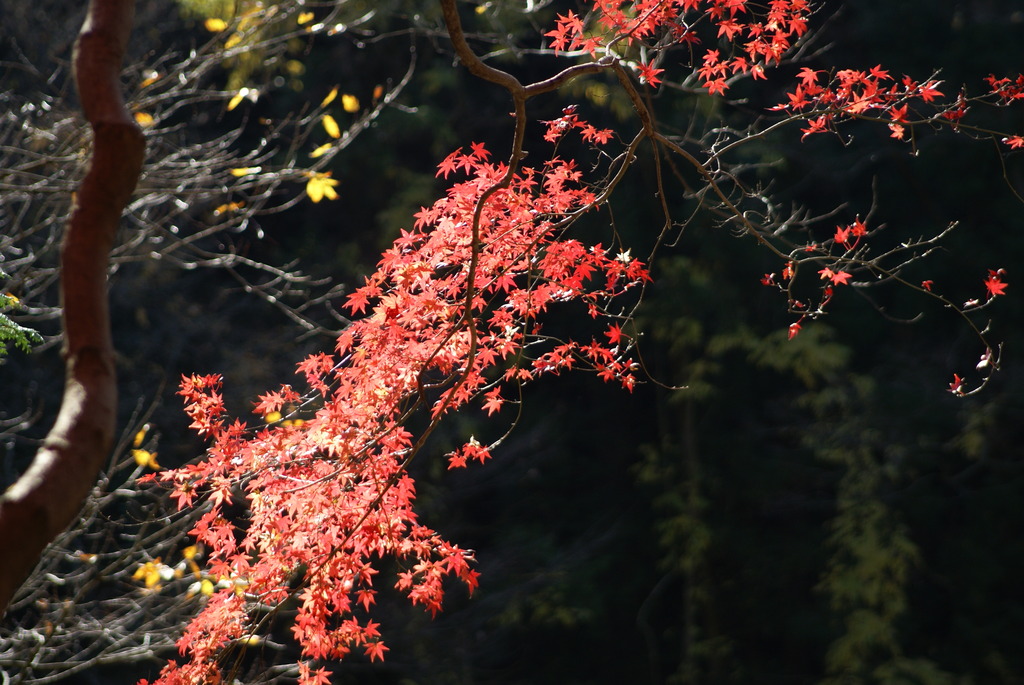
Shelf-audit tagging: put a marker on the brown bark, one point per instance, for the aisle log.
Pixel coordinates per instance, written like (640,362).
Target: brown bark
(48,496)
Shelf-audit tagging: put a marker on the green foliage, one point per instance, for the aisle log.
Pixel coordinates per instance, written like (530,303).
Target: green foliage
(873,557)
(12,333)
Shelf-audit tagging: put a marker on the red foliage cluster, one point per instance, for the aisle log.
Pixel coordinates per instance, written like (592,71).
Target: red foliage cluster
(450,315)
(758,35)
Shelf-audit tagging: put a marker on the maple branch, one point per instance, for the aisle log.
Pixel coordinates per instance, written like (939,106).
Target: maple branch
(474,64)
(520,95)
(49,494)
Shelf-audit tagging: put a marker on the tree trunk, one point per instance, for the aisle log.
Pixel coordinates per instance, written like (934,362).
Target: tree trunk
(48,496)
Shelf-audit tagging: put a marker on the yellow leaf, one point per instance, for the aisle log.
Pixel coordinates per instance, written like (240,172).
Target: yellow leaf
(231,42)
(350,103)
(272,417)
(13,301)
(330,97)
(143,119)
(235,101)
(480,9)
(151,78)
(140,436)
(152,572)
(145,458)
(246,171)
(206,587)
(320,186)
(229,207)
(331,126)
(214,25)
(321,151)
(87,558)
(305,17)
(190,552)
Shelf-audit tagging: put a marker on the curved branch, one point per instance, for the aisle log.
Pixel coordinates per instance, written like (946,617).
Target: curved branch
(48,496)
(474,64)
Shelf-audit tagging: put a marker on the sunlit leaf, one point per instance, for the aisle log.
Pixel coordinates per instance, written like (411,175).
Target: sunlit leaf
(143,119)
(151,78)
(331,126)
(305,18)
(145,458)
(330,97)
(232,41)
(320,186)
(350,103)
(274,415)
(214,25)
(228,207)
(236,100)
(322,150)
(152,572)
(246,170)
(140,436)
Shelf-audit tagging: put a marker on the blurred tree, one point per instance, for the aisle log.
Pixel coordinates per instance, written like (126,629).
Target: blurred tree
(45,499)
(206,184)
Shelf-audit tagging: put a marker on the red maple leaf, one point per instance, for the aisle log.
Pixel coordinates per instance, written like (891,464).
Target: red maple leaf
(480,151)
(449,164)
(375,650)
(717,85)
(930,91)
(321,676)
(614,334)
(994,284)
(816,125)
(808,77)
(841,278)
(649,74)
(494,401)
